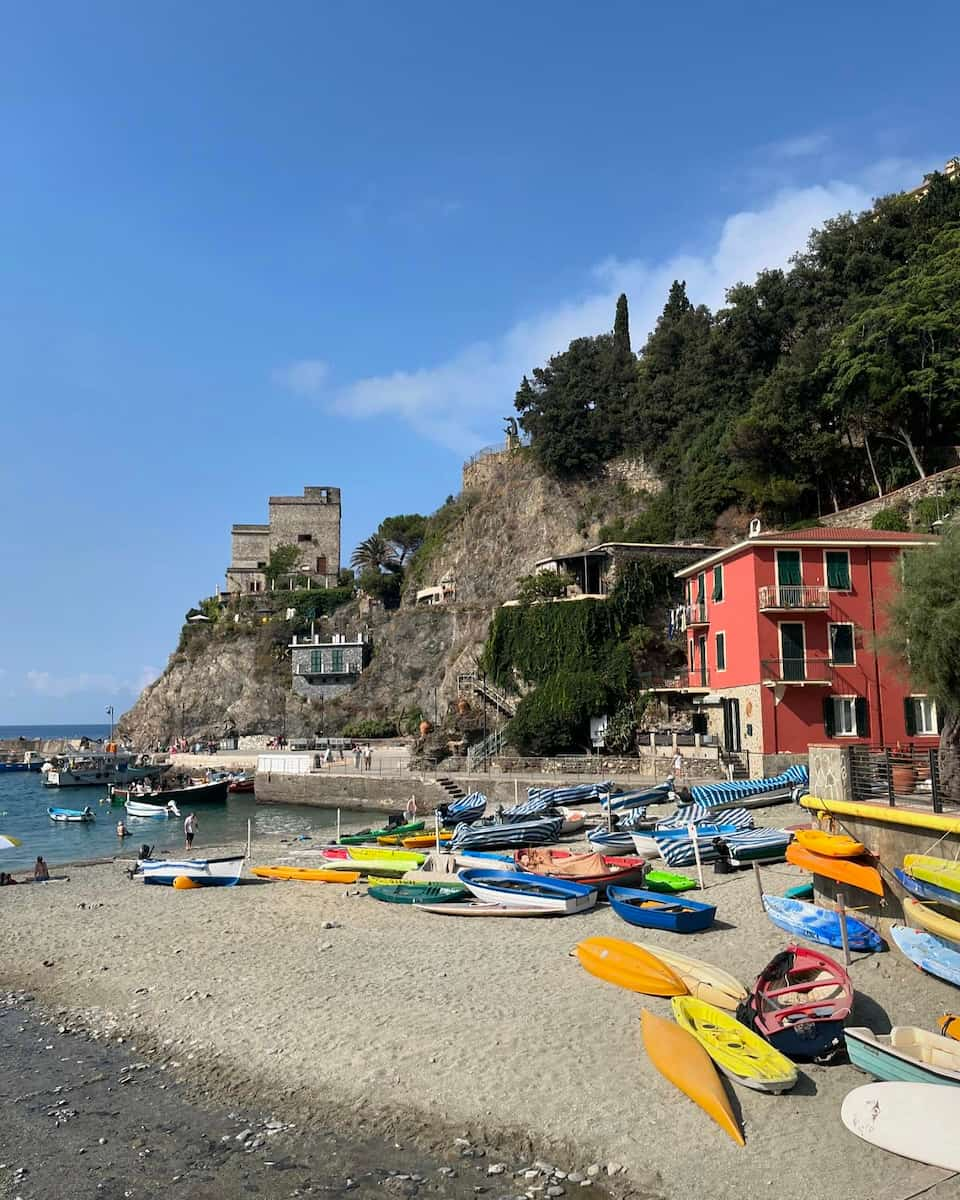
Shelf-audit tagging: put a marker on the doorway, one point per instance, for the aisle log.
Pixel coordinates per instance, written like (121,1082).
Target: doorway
(731,725)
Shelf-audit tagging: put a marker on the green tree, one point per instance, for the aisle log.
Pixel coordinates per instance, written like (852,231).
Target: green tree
(384,585)
(283,562)
(374,551)
(544,585)
(404,534)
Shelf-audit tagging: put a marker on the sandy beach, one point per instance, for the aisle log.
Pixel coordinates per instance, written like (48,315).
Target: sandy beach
(327,1006)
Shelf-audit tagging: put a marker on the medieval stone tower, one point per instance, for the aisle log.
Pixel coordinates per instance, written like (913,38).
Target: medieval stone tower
(310,522)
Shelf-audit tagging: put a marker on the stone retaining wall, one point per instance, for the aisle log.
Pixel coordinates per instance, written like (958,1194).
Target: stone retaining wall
(861,515)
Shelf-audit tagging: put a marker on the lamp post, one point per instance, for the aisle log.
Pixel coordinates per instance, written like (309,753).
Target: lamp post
(110,715)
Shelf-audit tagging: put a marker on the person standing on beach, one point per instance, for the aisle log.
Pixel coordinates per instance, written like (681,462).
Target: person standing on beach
(677,767)
(410,810)
(357,758)
(189,830)
(367,757)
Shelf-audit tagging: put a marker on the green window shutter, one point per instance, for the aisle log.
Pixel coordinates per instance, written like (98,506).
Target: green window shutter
(910,716)
(829,725)
(841,645)
(316,662)
(337,661)
(717,583)
(721,651)
(700,587)
(788,568)
(862,710)
(838,570)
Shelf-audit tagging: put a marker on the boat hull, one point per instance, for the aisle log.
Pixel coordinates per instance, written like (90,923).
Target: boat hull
(70,815)
(629,966)
(740,1053)
(518,889)
(929,953)
(703,980)
(651,910)
(858,874)
(927,891)
(799,1004)
(475,908)
(913,1120)
(942,872)
(833,845)
(925,916)
(817,924)
(305,874)
(905,1054)
(206,872)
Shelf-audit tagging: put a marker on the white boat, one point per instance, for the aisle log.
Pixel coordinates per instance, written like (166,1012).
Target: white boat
(573,819)
(208,872)
(88,769)
(137,809)
(516,889)
(71,814)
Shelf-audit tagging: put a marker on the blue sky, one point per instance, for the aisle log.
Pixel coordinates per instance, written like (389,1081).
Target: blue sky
(248,247)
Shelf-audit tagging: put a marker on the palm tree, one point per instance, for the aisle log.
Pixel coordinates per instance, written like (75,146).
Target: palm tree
(374,552)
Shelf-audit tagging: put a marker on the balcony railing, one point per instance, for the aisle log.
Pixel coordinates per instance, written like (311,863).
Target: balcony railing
(681,681)
(696,614)
(796,670)
(792,595)
(344,669)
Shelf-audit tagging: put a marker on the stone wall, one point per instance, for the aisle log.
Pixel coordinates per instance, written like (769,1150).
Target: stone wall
(478,472)
(316,513)
(635,473)
(830,772)
(861,515)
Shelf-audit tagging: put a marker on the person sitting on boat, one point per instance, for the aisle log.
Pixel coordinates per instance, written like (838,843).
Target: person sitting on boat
(41,872)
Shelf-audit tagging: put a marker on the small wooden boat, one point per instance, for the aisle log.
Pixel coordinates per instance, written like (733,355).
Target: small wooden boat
(928,917)
(156,811)
(418,893)
(240,783)
(740,1053)
(654,911)
(305,874)
(834,845)
(595,870)
(799,1004)
(681,1059)
(518,888)
(703,980)
(943,872)
(819,924)
(906,1053)
(655,880)
(64,815)
(506,835)
(611,842)
(475,908)
(927,891)
(574,819)
(929,953)
(949,1026)
(629,966)
(915,1120)
(205,872)
(855,872)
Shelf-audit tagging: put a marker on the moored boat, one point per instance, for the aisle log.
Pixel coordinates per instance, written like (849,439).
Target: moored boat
(194,793)
(906,1053)
(65,815)
(516,888)
(651,910)
(205,872)
(136,808)
(740,1053)
(927,891)
(99,769)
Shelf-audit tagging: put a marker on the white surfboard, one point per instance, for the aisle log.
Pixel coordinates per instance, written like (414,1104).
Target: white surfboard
(915,1120)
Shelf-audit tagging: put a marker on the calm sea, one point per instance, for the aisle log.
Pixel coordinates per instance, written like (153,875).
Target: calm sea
(54,731)
(23,815)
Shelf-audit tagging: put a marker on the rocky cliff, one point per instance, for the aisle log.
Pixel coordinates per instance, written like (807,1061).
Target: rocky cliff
(508,517)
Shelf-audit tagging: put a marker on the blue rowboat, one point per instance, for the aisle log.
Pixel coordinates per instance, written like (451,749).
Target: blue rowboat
(820,924)
(506,836)
(905,1054)
(930,953)
(927,891)
(653,910)
(518,889)
(71,814)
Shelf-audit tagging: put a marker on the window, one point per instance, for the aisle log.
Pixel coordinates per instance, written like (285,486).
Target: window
(717,583)
(304,537)
(336,661)
(788,569)
(692,663)
(842,652)
(321,564)
(701,587)
(921,716)
(838,570)
(721,651)
(316,662)
(846,716)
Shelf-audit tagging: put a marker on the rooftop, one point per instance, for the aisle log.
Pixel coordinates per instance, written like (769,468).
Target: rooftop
(816,536)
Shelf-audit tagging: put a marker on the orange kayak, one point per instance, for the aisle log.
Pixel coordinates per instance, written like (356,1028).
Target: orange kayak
(858,874)
(679,1057)
(834,845)
(629,966)
(306,874)
(949,1026)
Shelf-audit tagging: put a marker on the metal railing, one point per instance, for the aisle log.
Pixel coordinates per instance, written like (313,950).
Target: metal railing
(681,681)
(491,745)
(696,614)
(905,775)
(790,595)
(480,687)
(796,670)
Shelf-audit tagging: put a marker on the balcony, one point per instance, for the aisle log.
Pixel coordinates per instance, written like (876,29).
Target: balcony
(682,681)
(786,597)
(796,671)
(696,614)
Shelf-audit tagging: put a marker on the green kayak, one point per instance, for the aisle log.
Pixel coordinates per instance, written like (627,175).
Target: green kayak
(666,881)
(803,891)
(371,835)
(418,893)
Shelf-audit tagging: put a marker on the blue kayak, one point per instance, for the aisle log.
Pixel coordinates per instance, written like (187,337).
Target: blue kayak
(819,924)
(927,891)
(931,954)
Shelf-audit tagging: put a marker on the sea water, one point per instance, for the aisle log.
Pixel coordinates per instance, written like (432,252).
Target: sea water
(23,814)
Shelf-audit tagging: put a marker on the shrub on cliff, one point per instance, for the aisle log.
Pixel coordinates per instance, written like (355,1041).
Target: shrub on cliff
(891,519)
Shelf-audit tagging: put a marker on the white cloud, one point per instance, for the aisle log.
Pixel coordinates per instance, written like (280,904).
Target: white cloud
(459,402)
(802,147)
(305,378)
(46,683)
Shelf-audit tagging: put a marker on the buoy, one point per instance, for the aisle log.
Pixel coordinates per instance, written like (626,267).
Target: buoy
(183,882)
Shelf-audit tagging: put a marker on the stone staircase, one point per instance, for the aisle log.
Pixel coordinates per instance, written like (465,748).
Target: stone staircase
(736,760)
(453,790)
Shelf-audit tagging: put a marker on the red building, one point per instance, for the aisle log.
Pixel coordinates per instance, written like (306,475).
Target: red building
(783,647)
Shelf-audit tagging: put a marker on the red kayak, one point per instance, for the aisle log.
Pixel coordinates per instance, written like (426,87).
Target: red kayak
(595,870)
(799,1004)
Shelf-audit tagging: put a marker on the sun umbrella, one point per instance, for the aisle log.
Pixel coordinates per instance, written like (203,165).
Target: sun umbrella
(7,843)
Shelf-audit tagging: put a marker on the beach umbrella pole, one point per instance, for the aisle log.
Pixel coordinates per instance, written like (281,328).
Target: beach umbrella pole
(692,833)
(756,875)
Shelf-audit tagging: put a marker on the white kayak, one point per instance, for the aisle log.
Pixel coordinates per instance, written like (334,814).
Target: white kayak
(915,1120)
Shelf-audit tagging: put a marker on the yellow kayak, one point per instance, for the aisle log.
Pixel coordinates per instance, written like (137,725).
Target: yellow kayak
(834,845)
(741,1054)
(931,918)
(703,979)
(384,881)
(628,966)
(414,841)
(382,854)
(943,872)
(679,1057)
(306,874)
(949,1026)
